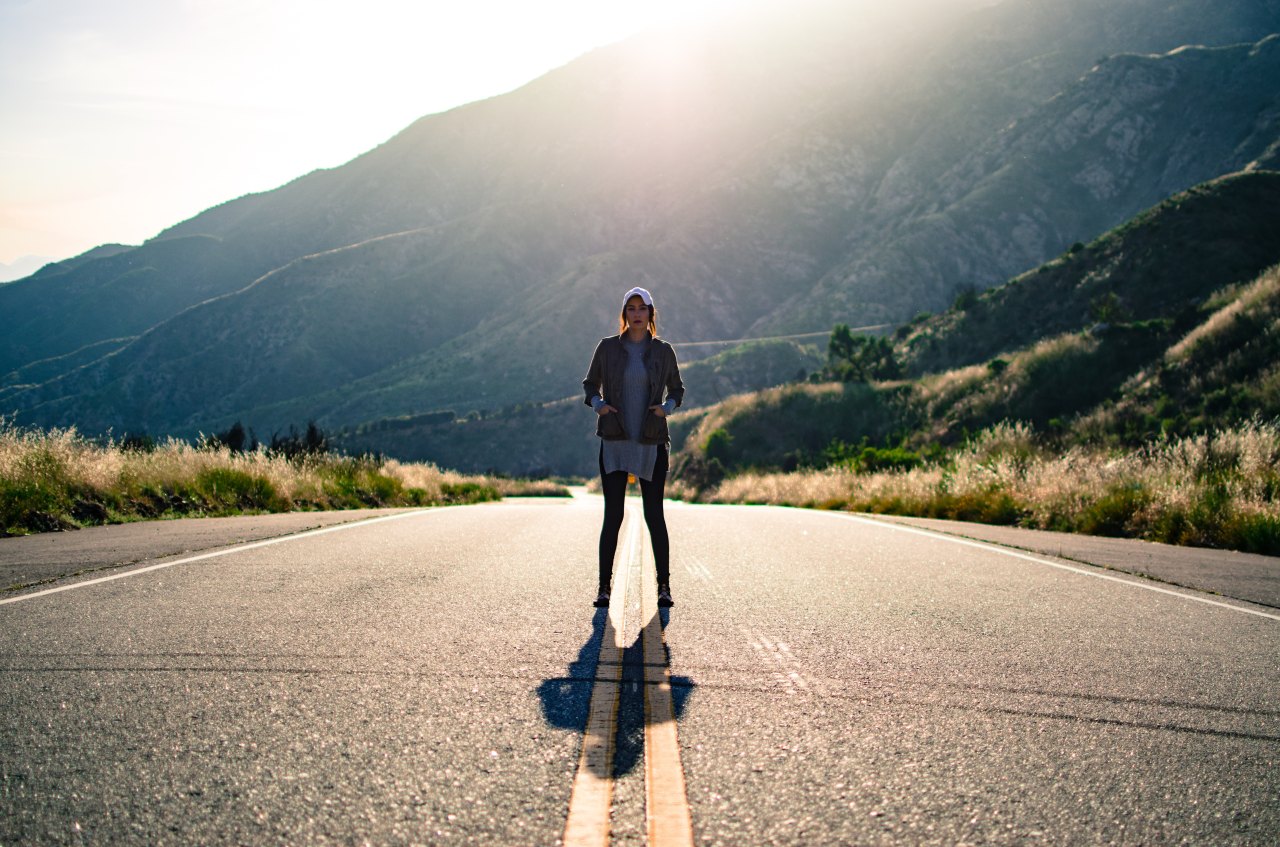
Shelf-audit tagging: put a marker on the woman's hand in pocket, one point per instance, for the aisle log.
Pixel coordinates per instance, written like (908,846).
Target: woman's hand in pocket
(605,409)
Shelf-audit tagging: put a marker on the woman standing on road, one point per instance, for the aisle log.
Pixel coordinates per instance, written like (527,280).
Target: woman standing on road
(629,374)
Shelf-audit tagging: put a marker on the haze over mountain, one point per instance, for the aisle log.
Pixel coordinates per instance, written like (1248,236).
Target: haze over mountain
(779,175)
(21,267)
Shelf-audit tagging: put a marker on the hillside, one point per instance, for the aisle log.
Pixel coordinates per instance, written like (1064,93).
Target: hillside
(1225,370)
(779,175)
(1161,264)
(1189,343)
(558,438)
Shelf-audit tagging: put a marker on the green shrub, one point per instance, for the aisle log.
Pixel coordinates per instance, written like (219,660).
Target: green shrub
(992,506)
(383,489)
(36,496)
(468,492)
(1112,513)
(1254,534)
(356,482)
(26,506)
(863,458)
(1170,527)
(966,297)
(860,358)
(717,447)
(231,490)
(872,459)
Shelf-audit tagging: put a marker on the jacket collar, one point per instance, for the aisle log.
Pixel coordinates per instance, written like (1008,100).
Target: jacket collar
(648,347)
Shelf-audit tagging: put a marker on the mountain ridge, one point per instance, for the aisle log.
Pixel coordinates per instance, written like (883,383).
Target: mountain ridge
(519,247)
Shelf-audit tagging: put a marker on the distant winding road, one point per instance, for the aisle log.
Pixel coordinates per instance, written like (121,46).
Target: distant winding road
(439,677)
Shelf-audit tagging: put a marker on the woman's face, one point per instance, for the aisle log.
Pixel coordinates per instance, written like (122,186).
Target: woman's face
(637,313)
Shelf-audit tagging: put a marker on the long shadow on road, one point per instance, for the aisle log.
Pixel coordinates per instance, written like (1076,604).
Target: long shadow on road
(565,699)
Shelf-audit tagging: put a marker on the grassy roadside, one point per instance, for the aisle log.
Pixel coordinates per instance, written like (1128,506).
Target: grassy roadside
(1216,490)
(58,479)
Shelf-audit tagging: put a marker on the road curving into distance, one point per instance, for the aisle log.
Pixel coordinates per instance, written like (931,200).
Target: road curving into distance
(440,677)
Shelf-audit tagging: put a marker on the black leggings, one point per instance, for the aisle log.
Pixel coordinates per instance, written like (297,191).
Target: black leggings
(615,492)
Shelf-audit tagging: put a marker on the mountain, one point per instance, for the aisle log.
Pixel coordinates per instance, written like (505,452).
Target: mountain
(775,176)
(1133,130)
(1167,324)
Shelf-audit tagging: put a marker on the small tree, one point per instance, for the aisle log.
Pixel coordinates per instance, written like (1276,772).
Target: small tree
(1108,309)
(858,358)
(966,297)
(234,438)
(297,445)
(138,442)
(717,446)
(315,440)
(841,347)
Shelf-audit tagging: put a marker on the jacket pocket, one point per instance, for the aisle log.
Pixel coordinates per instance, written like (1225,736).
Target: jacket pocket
(654,430)
(609,427)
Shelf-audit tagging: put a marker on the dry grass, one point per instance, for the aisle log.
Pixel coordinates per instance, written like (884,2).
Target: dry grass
(58,479)
(1219,490)
(938,388)
(752,403)
(1255,298)
(1230,356)
(977,393)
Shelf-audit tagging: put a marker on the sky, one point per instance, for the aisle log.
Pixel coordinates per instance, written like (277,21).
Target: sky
(119,118)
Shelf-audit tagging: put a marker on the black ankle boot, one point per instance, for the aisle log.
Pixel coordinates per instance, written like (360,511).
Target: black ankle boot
(664,597)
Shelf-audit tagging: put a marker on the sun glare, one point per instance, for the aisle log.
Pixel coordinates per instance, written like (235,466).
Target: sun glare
(135,121)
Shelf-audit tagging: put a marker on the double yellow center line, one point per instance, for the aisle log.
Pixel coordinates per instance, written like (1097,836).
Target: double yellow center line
(666,801)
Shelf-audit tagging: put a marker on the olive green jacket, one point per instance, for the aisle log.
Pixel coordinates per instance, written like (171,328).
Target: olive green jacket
(604,377)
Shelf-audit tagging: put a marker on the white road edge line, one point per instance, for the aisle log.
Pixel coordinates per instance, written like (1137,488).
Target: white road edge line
(239,548)
(982,545)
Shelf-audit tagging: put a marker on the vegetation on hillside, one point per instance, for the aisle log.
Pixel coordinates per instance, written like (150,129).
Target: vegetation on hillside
(58,479)
(1226,369)
(1161,266)
(1165,326)
(1145,408)
(751,366)
(786,428)
(1215,490)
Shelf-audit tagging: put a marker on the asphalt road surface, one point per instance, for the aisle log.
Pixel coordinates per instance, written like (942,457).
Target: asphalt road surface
(440,677)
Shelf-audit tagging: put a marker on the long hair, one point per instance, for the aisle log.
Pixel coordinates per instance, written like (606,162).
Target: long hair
(653,321)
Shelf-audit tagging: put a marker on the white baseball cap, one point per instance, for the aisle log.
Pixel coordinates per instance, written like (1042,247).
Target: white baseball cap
(644,295)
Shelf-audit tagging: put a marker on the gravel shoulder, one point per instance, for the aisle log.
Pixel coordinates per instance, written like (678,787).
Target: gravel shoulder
(1240,576)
